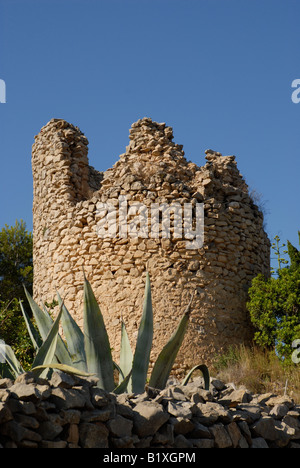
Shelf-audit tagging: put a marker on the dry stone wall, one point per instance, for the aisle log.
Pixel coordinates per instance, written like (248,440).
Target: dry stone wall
(69,203)
(69,412)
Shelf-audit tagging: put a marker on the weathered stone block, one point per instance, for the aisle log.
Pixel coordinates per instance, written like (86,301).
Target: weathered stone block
(93,435)
(148,418)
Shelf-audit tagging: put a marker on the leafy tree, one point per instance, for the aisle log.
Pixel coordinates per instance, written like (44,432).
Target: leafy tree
(13,332)
(16,269)
(274,304)
(16,264)
(294,255)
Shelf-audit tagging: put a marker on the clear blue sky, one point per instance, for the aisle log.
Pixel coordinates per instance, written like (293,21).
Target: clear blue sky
(218,71)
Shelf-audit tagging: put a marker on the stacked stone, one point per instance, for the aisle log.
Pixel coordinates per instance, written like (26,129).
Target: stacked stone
(68,412)
(69,197)
(60,175)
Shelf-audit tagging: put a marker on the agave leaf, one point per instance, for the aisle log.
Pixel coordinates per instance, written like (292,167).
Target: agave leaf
(122,387)
(96,343)
(205,372)
(44,323)
(74,338)
(167,356)
(63,368)
(126,356)
(61,354)
(7,355)
(34,336)
(144,343)
(5,371)
(118,368)
(46,352)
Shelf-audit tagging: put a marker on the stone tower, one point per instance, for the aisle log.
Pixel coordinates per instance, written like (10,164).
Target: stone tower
(69,206)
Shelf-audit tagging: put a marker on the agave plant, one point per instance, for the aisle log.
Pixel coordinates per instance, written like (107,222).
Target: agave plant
(46,351)
(88,352)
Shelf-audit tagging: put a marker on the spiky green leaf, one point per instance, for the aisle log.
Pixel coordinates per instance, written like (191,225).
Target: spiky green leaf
(205,372)
(96,343)
(46,352)
(44,323)
(123,386)
(144,343)
(63,368)
(7,355)
(34,336)
(74,338)
(126,356)
(5,372)
(167,356)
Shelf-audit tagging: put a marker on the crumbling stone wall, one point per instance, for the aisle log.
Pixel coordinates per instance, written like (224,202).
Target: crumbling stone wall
(66,214)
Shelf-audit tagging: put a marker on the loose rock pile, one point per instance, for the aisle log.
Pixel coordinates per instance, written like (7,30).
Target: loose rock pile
(71,412)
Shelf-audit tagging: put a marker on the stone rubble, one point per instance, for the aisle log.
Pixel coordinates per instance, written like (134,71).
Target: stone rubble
(72,412)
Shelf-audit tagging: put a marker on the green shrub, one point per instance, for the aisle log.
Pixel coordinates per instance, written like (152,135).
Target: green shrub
(274,305)
(16,264)
(12,331)
(16,270)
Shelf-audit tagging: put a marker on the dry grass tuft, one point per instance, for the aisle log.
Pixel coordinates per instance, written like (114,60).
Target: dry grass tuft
(261,371)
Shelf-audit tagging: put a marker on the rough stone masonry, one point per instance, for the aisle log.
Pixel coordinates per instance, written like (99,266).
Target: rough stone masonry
(153,170)
(70,412)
